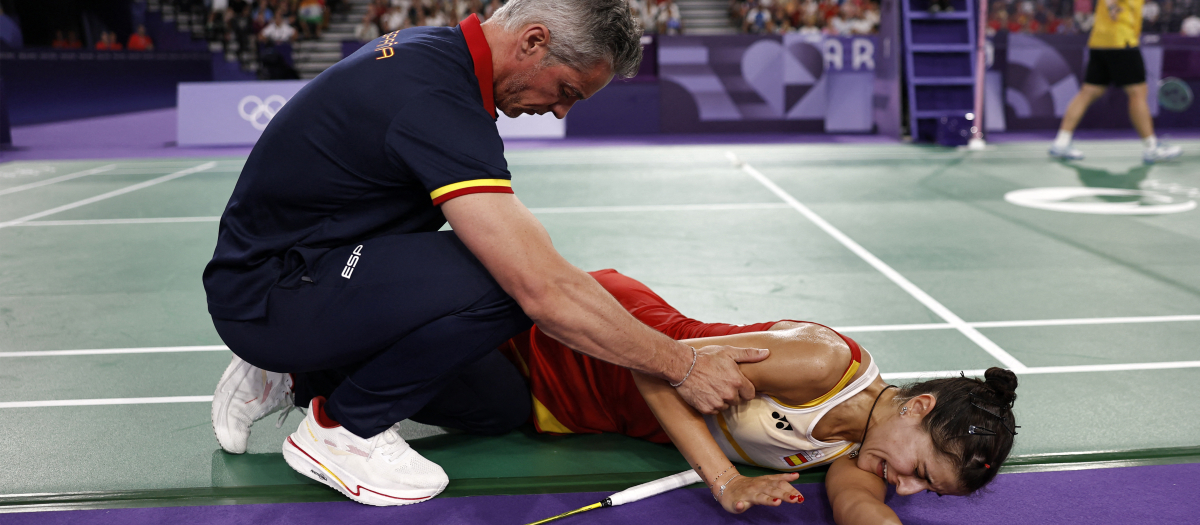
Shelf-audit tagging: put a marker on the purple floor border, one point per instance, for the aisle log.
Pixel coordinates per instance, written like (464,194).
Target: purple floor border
(1142,495)
(151,134)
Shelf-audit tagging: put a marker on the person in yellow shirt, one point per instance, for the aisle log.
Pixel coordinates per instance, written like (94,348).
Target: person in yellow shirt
(1114,58)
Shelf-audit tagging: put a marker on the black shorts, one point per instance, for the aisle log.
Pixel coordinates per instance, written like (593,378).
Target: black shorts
(1122,67)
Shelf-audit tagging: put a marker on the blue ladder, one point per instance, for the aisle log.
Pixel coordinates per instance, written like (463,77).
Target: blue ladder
(939,63)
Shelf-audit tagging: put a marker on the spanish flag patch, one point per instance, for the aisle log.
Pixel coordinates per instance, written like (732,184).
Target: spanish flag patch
(802,457)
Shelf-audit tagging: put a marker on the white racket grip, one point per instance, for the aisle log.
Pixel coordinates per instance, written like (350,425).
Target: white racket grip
(657,486)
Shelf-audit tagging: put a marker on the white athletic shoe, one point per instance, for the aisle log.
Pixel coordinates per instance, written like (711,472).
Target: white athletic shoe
(245,395)
(1161,153)
(380,471)
(1067,153)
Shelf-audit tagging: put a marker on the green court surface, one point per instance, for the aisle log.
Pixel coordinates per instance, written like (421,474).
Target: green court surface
(108,356)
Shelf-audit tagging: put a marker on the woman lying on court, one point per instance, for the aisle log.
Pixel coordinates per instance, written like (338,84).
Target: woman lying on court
(820,401)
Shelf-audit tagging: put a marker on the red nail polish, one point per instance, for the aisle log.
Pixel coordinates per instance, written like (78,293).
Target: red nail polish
(776,500)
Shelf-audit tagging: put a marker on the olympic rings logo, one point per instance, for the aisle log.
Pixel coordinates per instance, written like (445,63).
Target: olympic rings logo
(259,112)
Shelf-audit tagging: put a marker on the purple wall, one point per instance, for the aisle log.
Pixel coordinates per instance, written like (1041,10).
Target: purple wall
(625,107)
(621,108)
(767,83)
(53,85)
(1041,73)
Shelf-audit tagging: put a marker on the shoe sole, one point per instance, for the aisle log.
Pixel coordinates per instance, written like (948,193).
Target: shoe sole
(305,461)
(236,370)
(1161,159)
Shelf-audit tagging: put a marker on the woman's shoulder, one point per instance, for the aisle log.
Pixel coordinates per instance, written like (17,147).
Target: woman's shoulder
(806,362)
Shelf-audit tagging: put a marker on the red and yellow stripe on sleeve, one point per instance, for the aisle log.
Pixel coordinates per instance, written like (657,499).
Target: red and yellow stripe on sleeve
(466,187)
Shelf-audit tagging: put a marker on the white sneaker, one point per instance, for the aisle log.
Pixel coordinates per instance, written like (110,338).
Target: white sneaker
(1161,153)
(244,395)
(380,471)
(1067,153)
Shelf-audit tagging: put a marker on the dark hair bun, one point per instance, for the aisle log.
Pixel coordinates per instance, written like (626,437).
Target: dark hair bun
(1002,382)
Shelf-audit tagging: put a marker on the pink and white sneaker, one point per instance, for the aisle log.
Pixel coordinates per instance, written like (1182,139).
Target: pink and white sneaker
(244,395)
(381,471)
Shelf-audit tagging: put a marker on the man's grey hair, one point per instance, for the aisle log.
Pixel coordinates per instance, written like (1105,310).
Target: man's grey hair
(583,33)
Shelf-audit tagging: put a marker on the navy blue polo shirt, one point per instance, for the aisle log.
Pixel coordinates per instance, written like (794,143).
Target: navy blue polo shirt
(371,147)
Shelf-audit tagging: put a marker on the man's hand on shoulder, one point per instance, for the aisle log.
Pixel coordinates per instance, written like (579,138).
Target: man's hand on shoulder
(716,382)
(574,309)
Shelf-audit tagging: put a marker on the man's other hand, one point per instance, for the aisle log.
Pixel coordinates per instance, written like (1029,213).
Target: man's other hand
(716,382)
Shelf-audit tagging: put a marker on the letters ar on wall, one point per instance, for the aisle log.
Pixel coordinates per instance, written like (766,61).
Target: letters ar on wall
(767,83)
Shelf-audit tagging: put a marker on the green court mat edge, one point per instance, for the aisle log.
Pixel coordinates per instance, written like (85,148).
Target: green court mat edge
(528,485)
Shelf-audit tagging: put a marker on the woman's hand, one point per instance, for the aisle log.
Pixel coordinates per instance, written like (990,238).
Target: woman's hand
(742,492)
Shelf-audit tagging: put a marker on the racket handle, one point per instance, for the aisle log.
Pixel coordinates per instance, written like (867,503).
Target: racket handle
(652,488)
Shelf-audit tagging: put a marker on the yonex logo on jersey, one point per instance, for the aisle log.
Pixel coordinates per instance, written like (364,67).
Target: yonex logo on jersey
(353,262)
(781,422)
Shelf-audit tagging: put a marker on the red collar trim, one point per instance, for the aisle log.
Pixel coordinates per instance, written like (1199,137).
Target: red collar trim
(481,54)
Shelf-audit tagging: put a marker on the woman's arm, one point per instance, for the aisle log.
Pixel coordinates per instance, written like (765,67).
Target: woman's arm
(690,435)
(857,495)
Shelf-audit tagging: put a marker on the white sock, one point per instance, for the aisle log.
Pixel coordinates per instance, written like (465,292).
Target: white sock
(1150,142)
(1063,140)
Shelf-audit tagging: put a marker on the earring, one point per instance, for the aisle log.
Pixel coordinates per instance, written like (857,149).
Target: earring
(903,411)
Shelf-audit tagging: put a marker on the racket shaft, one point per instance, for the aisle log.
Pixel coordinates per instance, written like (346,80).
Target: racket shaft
(565,514)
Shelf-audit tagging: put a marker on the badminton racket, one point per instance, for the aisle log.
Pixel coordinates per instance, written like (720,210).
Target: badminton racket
(645,490)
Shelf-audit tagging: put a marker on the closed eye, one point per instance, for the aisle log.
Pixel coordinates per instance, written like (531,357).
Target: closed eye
(928,480)
(570,91)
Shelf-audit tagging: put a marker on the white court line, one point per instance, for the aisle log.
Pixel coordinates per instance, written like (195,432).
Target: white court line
(925,376)
(843,329)
(151,171)
(887,377)
(114,193)
(1112,368)
(664,207)
(990,347)
(113,351)
(93,222)
(1122,367)
(106,401)
(576,209)
(1023,324)
(61,178)
(875,153)
(893,327)
(1098,320)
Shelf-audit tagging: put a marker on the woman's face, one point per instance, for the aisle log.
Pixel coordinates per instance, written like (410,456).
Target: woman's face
(901,452)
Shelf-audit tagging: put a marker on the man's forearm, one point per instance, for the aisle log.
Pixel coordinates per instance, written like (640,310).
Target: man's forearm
(566,303)
(574,309)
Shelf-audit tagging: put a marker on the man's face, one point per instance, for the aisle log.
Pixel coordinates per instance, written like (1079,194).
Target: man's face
(553,88)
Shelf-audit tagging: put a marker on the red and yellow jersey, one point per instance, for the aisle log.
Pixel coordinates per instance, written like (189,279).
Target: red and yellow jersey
(577,394)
